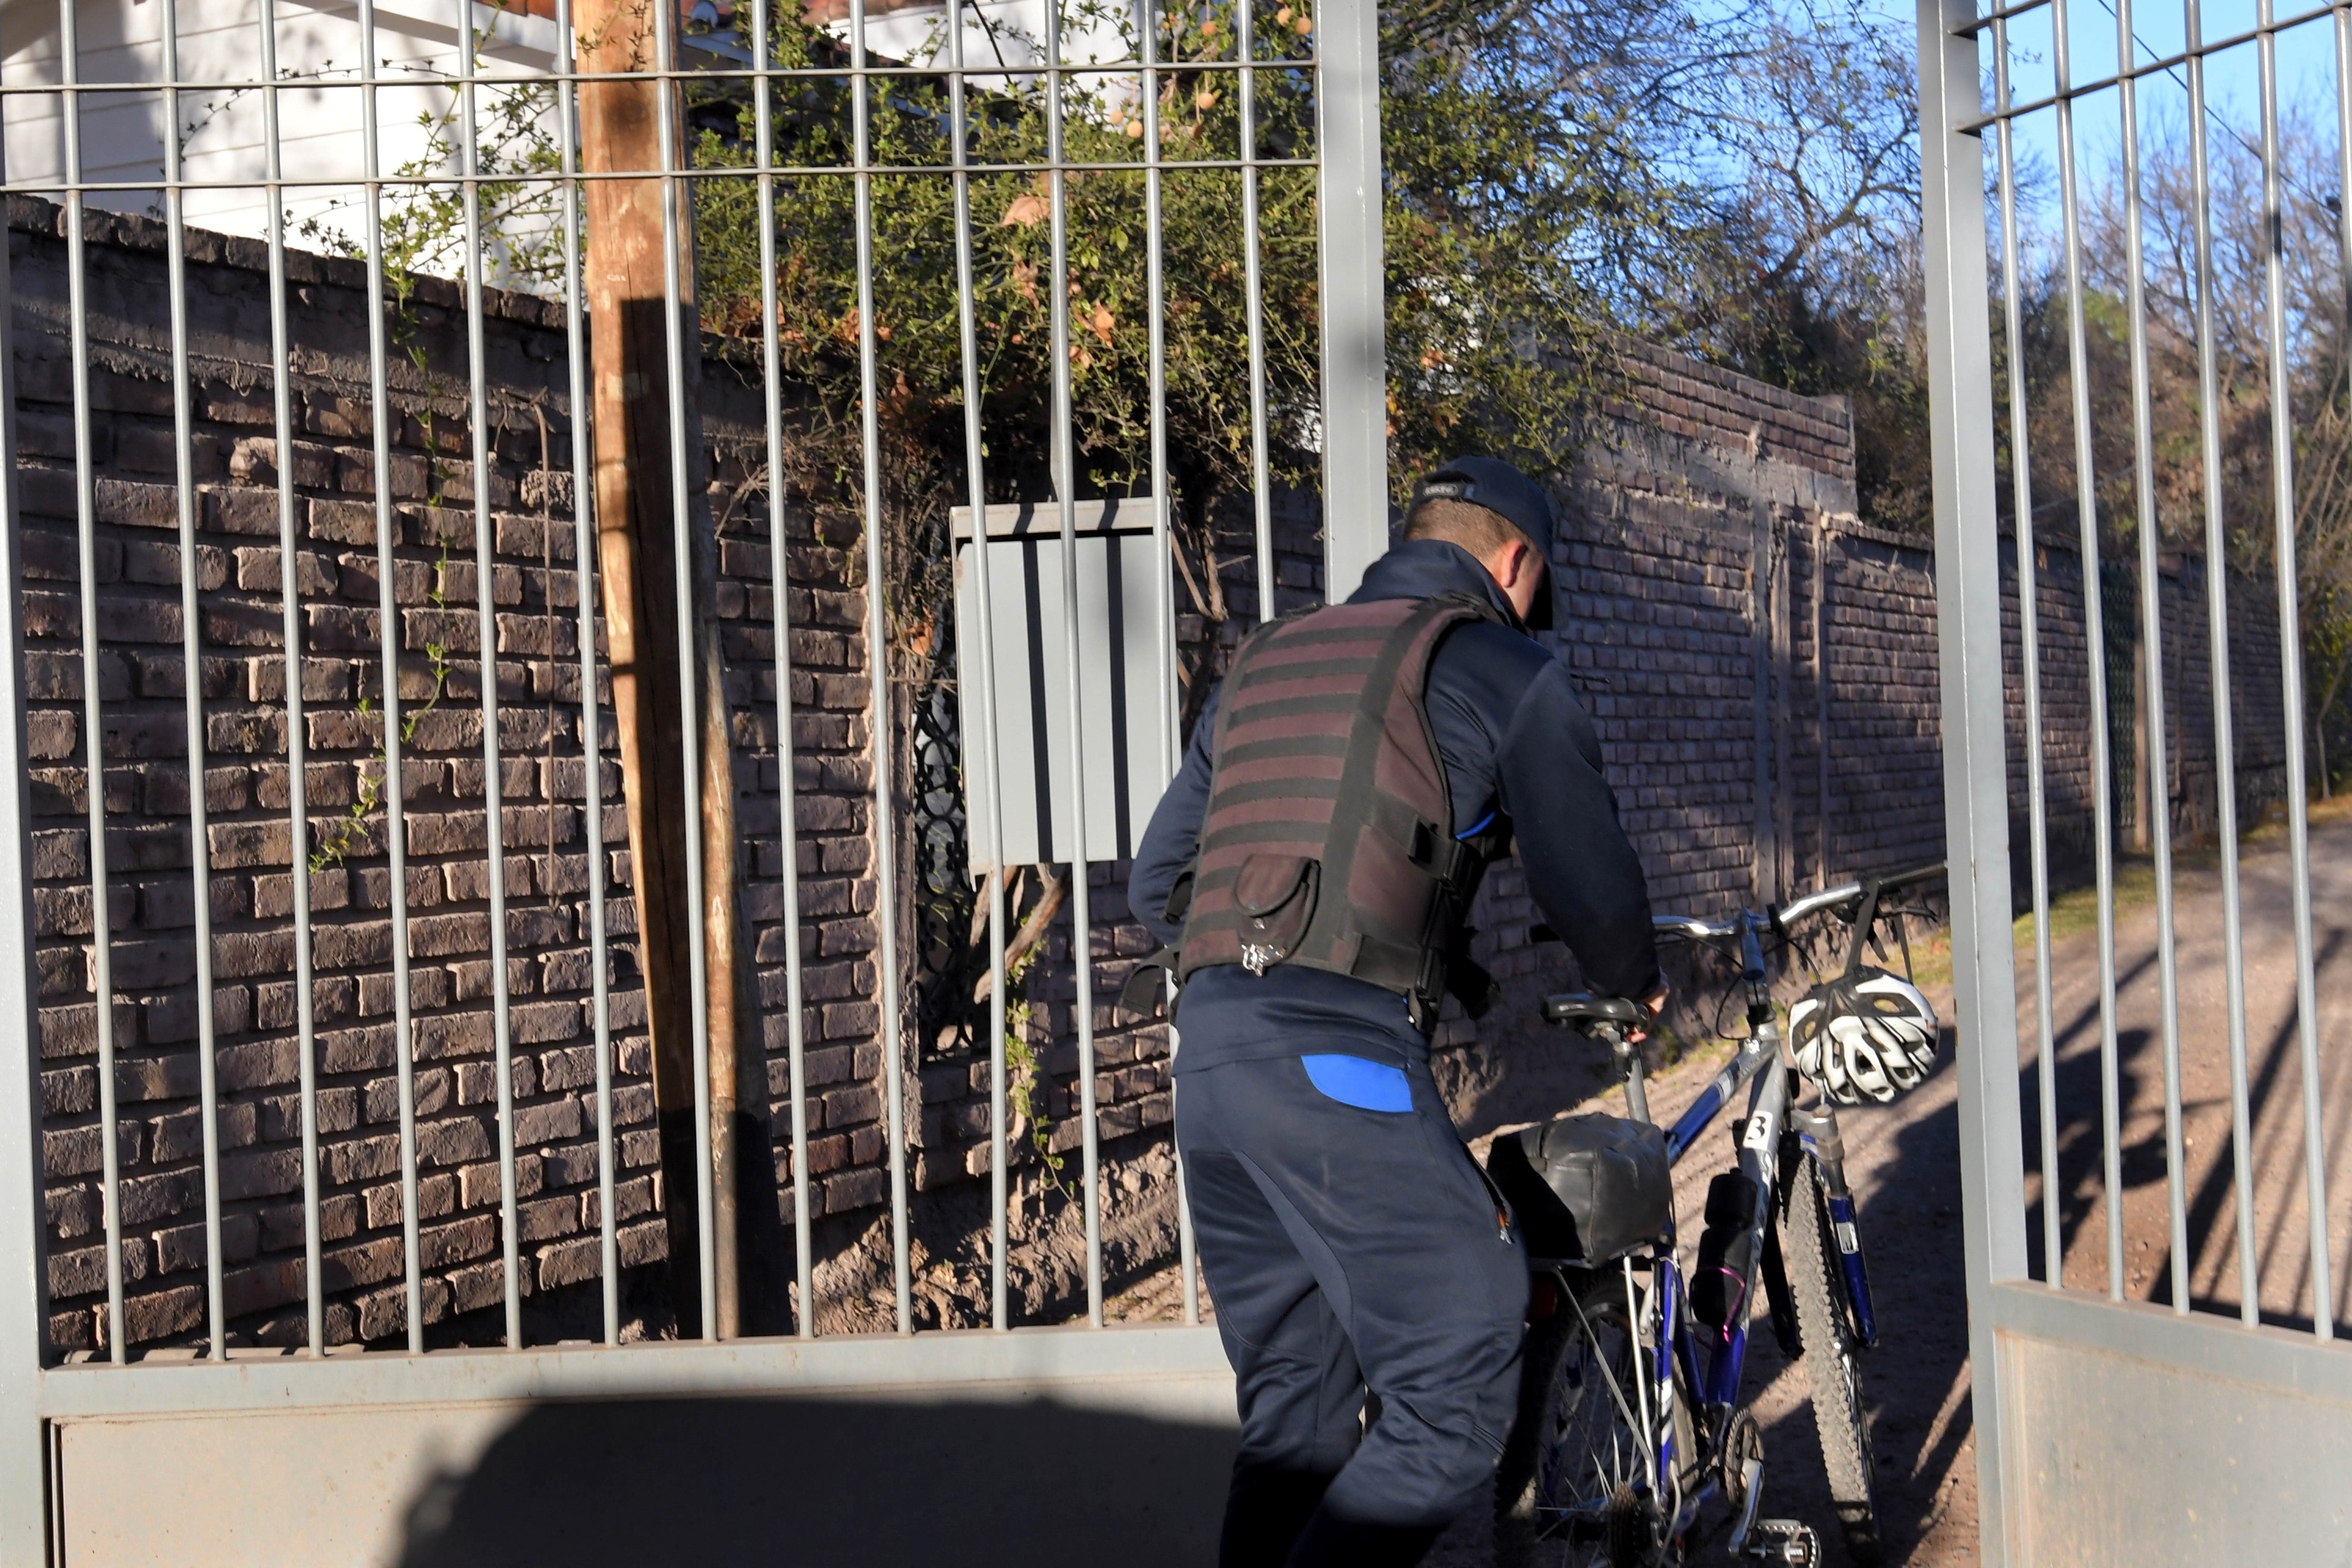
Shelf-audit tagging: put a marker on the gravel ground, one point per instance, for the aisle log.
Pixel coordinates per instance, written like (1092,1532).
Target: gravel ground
(2274,1196)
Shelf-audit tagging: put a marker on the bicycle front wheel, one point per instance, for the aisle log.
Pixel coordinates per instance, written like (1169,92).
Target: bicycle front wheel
(1825,1330)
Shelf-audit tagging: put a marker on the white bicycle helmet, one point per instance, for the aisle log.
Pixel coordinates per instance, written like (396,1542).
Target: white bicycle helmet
(1866,1035)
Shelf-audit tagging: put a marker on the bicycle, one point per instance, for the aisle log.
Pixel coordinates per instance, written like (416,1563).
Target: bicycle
(1625,1432)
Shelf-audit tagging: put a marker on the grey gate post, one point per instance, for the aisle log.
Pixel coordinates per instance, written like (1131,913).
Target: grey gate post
(1355,338)
(23,1491)
(1975,776)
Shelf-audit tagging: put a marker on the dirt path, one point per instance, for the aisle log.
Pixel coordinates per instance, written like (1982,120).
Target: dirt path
(2275,1192)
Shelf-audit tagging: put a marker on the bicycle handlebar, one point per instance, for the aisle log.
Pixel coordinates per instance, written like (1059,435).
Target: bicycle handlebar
(1811,904)
(1691,926)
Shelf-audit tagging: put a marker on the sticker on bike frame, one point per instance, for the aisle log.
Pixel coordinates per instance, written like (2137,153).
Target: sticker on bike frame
(1758,1136)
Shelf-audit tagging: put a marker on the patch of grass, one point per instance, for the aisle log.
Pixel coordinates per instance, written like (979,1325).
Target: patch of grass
(2271,829)
(1931,960)
(2076,910)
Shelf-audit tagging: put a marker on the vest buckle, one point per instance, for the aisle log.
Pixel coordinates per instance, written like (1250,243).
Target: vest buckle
(1256,955)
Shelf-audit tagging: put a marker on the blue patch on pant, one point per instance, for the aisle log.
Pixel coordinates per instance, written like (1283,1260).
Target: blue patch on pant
(1366,1085)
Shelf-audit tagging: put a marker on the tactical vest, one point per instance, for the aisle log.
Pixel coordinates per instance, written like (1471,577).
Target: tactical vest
(1329,839)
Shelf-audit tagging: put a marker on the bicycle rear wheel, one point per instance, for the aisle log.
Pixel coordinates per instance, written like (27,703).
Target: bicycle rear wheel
(1572,1489)
(1825,1330)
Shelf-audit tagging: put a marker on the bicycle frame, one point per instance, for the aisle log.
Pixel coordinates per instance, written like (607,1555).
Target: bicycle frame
(1771,1118)
(1759,1065)
(1715,1377)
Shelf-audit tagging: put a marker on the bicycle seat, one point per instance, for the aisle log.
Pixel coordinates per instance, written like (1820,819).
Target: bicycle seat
(1584,1008)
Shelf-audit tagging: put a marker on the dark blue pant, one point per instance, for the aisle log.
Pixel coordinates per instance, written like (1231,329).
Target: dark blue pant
(1350,1249)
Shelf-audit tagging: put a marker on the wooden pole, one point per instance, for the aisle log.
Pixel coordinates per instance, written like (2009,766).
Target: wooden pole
(636,543)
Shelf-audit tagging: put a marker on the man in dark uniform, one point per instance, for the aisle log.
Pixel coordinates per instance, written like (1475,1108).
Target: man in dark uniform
(1313,862)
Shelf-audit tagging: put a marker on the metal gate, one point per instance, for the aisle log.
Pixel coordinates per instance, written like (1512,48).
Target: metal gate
(2154,1259)
(310,1450)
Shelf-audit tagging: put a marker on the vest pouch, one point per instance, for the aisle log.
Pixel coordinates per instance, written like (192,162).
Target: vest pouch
(1148,984)
(1275,894)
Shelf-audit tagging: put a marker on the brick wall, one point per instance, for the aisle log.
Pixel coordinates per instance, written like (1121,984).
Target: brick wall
(1761,663)
(2257,718)
(252,852)
(249,842)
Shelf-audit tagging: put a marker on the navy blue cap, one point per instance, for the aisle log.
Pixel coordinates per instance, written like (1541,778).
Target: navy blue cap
(1499,488)
(1509,494)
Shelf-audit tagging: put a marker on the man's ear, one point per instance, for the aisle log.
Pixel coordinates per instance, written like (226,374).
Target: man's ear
(1519,560)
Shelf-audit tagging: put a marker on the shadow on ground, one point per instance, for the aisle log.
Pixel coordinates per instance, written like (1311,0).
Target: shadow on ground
(834,1482)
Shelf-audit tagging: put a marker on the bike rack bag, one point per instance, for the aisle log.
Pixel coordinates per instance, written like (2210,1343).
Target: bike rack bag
(1586,1189)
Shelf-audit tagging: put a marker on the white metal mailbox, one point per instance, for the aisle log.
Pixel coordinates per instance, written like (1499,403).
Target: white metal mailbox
(1124,662)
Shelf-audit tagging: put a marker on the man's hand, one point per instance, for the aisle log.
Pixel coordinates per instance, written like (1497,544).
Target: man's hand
(1654,1004)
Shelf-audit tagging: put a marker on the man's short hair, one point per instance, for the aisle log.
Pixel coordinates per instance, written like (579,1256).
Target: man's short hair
(1479,529)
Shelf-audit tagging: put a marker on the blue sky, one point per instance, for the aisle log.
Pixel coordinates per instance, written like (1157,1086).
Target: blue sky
(2306,69)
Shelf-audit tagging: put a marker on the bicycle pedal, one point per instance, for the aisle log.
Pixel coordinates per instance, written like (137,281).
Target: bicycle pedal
(1782,1541)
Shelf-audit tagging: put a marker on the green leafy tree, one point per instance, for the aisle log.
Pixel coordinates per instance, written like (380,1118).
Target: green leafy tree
(1554,172)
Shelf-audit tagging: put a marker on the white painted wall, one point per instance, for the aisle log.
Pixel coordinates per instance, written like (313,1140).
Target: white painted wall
(322,130)
(320,113)
(1011,31)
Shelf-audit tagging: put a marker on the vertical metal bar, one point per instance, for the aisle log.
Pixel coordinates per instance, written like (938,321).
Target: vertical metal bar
(1065,490)
(193,706)
(982,661)
(877,664)
(583,547)
(2298,827)
(387,527)
(2344,254)
(1155,282)
(1261,490)
(780,580)
(689,724)
(2029,622)
(93,708)
(290,597)
(24,1437)
(2087,503)
(1821,653)
(1764,854)
(2225,775)
(2158,804)
(1976,789)
(1188,1251)
(1355,352)
(192,655)
(487,618)
(1171,743)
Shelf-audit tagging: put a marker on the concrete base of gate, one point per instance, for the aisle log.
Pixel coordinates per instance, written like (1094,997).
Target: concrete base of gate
(2138,1436)
(950,1449)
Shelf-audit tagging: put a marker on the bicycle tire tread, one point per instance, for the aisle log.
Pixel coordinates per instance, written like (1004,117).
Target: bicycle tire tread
(1827,1347)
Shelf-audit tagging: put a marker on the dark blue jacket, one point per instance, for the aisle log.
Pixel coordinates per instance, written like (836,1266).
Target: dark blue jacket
(1514,740)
